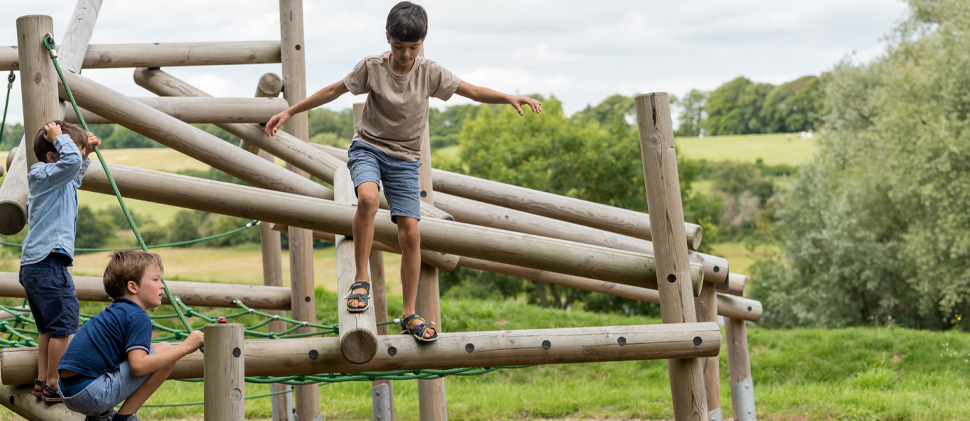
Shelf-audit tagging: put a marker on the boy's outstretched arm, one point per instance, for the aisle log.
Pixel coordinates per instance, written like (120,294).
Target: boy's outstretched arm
(488,96)
(143,363)
(323,96)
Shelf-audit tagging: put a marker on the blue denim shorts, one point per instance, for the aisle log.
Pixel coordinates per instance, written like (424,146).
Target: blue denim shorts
(50,293)
(399,177)
(105,391)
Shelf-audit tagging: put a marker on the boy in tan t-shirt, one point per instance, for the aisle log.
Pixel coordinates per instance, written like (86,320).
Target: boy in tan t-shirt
(386,147)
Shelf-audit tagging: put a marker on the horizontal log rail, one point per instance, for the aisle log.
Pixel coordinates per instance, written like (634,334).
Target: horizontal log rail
(111,56)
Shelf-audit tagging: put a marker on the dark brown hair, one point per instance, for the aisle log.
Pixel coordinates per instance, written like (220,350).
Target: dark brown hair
(127,265)
(42,146)
(407,22)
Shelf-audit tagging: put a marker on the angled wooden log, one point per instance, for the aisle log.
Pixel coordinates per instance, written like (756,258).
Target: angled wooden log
(666,219)
(488,215)
(526,250)
(582,212)
(199,110)
(14,192)
(111,56)
(13,198)
(441,261)
(189,140)
(727,305)
(283,145)
(303,356)
(20,400)
(89,288)
(358,331)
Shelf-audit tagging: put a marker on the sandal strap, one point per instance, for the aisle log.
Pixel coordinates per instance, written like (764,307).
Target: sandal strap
(361,297)
(405,322)
(359,284)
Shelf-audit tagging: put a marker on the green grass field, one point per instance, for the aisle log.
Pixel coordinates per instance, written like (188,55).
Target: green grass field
(773,149)
(885,373)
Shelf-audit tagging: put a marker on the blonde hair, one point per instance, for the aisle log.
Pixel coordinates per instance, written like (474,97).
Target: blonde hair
(128,265)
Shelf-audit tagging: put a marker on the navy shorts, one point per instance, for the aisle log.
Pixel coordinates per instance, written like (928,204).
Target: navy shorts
(50,293)
(399,177)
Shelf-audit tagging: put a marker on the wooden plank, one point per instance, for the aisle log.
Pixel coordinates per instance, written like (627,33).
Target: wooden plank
(303,356)
(112,56)
(89,288)
(673,271)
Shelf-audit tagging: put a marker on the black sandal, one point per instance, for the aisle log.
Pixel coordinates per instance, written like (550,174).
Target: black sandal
(51,395)
(38,392)
(418,330)
(365,297)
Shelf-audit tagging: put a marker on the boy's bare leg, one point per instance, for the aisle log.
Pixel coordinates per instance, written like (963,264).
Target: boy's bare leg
(55,350)
(409,237)
(145,391)
(43,344)
(368,202)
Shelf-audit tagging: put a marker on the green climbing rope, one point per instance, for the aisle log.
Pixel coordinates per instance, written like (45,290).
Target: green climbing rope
(6,105)
(49,44)
(176,244)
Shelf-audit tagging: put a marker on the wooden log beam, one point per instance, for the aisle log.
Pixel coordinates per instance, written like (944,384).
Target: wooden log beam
(735,285)
(666,216)
(89,288)
(201,110)
(188,139)
(13,198)
(303,356)
(112,56)
(283,145)
(526,250)
(358,331)
(607,218)
(20,400)
(14,192)
(484,214)
(727,305)
(739,368)
(441,261)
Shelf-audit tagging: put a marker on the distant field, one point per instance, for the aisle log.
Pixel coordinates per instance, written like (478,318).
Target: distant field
(772,148)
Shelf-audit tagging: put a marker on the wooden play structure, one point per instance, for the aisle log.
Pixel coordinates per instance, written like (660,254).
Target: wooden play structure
(466,221)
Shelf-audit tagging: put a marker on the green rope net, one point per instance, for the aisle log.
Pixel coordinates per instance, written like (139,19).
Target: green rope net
(19,334)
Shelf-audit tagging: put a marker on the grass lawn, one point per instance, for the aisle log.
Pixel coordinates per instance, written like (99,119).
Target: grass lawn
(773,149)
(885,373)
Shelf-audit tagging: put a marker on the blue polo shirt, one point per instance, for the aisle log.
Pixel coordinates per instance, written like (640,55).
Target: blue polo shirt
(52,203)
(103,342)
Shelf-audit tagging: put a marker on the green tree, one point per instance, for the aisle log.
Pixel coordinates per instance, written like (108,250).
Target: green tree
(735,108)
(339,123)
(12,133)
(93,230)
(875,229)
(794,106)
(691,114)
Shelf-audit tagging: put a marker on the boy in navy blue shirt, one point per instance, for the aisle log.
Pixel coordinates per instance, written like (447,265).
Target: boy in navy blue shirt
(112,358)
(48,250)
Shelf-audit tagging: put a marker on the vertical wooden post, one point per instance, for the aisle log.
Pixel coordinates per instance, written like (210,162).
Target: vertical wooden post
(382,391)
(739,367)
(431,393)
(224,365)
(293,57)
(706,305)
(269,86)
(38,88)
(38,78)
(670,246)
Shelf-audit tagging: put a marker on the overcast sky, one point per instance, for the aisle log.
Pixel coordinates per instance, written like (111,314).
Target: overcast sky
(581,52)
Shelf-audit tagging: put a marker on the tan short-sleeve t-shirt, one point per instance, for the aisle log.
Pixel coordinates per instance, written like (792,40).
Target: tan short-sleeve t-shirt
(396,110)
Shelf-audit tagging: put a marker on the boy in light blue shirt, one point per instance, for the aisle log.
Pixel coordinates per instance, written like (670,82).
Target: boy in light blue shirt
(48,249)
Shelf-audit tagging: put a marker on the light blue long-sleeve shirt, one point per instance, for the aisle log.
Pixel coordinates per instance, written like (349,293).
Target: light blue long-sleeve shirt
(52,203)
